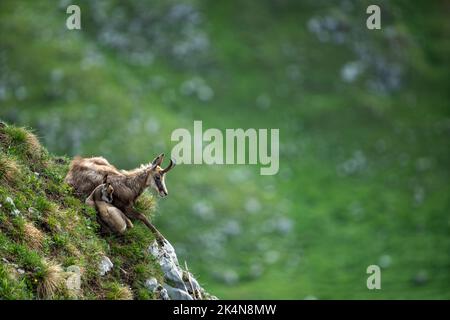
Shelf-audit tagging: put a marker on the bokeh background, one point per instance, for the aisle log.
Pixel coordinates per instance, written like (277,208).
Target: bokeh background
(363,116)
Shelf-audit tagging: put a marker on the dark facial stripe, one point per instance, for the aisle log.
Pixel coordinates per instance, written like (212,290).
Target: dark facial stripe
(159,185)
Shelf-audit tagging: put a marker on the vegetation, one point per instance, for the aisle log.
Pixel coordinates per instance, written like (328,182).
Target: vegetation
(44,229)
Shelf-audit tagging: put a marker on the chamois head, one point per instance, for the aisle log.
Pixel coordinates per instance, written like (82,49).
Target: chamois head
(157,175)
(107,190)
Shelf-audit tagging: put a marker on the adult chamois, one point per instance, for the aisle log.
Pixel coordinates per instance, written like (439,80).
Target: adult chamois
(85,174)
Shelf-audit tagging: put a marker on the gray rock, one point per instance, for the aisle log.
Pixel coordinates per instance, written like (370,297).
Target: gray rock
(154,249)
(162,293)
(105,265)
(151,284)
(171,252)
(182,285)
(14,210)
(192,285)
(172,272)
(177,294)
(168,261)
(74,269)
(73,282)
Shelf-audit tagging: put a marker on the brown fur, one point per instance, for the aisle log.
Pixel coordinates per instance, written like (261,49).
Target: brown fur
(85,174)
(112,219)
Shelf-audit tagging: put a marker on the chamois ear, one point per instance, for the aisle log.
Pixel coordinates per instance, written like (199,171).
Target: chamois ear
(158,160)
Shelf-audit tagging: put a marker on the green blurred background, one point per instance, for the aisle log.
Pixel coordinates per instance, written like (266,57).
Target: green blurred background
(363,116)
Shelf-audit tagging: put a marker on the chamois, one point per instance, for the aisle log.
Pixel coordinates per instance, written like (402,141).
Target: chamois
(111,218)
(85,174)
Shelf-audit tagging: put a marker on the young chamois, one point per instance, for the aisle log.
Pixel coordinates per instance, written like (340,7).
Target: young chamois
(111,218)
(85,174)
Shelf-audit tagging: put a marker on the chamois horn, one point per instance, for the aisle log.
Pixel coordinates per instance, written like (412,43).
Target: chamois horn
(170,167)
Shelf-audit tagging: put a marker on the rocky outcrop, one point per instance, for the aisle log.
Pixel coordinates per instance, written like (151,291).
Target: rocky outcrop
(179,284)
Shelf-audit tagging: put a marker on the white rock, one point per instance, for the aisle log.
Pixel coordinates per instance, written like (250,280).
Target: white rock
(10,201)
(188,279)
(73,282)
(105,265)
(154,249)
(151,284)
(74,269)
(14,210)
(163,294)
(168,261)
(168,248)
(172,272)
(177,294)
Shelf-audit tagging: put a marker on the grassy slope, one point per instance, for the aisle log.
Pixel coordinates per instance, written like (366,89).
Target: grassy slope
(54,230)
(343,223)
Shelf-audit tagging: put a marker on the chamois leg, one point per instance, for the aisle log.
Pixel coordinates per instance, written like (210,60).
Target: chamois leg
(137,215)
(127,221)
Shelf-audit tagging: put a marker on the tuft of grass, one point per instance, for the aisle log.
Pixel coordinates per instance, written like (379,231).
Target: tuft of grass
(146,203)
(116,291)
(51,281)
(33,236)
(33,146)
(9,170)
(24,144)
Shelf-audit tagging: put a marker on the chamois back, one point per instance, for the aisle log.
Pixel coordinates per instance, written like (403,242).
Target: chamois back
(85,174)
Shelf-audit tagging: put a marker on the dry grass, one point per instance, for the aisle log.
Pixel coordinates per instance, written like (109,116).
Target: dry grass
(34,150)
(33,144)
(51,282)
(116,291)
(124,293)
(33,236)
(9,170)
(146,203)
